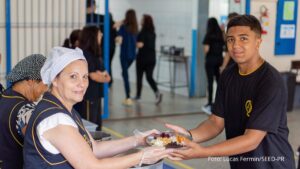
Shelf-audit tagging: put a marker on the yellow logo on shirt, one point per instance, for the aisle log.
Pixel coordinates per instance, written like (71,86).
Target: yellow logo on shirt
(248,107)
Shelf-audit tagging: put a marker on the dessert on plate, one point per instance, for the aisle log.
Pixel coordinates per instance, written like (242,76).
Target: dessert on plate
(166,139)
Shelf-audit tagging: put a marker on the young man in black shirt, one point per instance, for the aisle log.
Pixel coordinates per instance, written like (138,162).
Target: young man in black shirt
(250,105)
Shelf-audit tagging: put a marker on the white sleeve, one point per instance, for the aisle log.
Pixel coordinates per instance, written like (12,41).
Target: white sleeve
(49,123)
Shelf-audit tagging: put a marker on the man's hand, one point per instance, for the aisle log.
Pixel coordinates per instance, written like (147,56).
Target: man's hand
(179,129)
(189,151)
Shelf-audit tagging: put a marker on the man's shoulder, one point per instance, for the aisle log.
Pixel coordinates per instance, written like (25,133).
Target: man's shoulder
(271,73)
(230,70)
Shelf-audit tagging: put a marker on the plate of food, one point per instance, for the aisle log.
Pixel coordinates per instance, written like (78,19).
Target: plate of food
(166,139)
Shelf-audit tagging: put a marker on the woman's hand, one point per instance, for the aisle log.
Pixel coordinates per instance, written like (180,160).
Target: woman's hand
(119,40)
(140,137)
(139,44)
(102,77)
(106,76)
(153,154)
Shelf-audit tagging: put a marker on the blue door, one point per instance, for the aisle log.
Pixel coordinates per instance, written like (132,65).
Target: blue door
(286,27)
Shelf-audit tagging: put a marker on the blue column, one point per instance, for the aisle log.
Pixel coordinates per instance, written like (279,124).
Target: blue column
(106,57)
(247,9)
(201,84)
(8,38)
(193,74)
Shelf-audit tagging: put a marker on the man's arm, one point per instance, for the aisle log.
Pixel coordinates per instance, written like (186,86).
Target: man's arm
(238,145)
(208,129)
(241,144)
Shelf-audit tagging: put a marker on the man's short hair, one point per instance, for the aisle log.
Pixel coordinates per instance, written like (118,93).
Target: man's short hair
(246,20)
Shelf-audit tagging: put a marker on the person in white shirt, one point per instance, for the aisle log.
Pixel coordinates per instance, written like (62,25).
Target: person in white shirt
(56,136)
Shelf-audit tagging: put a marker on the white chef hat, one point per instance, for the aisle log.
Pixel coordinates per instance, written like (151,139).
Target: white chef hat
(57,60)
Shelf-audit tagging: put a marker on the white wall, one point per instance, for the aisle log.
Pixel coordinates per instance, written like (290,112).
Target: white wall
(281,62)
(37,26)
(218,8)
(2,40)
(238,7)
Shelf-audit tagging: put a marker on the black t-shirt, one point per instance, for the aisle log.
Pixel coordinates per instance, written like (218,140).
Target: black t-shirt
(95,89)
(216,47)
(256,101)
(147,52)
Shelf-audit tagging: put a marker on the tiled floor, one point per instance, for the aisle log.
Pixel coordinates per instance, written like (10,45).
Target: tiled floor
(176,109)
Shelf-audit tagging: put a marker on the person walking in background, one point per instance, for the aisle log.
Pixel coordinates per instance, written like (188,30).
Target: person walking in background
(73,41)
(146,57)
(97,19)
(213,49)
(16,106)
(90,42)
(227,61)
(128,31)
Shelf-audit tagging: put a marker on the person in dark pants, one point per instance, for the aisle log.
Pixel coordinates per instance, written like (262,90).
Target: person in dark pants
(213,48)
(128,31)
(90,42)
(250,106)
(146,57)
(16,107)
(97,19)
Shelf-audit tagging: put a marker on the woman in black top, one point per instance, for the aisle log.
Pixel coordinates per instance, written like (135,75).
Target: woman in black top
(146,60)
(90,42)
(213,49)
